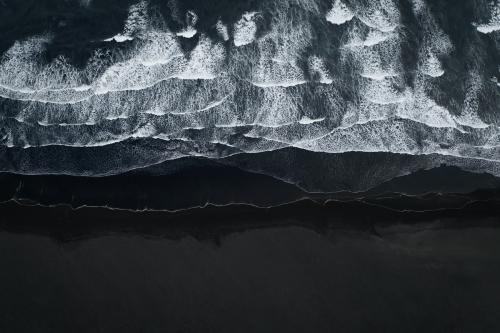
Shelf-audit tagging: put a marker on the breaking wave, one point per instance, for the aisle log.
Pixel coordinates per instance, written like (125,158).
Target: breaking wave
(322,76)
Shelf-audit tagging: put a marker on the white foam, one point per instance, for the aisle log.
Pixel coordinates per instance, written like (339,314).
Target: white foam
(189,31)
(210,106)
(24,76)
(213,104)
(20,67)
(383,92)
(283,84)
(245,29)
(318,68)
(377,54)
(159,59)
(156,112)
(401,136)
(494,22)
(360,39)
(145,131)
(159,90)
(382,15)
(117,117)
(276,108)
(421,108)
(277,73)
(55,96)
(488,28)
(378,76)
(205,61)
(435,45)
(376,37)
(119,38)
(280,51)
(137,19)
(375,65)
(431,65)
(222,30)
(339,13)
(233,124)
(136,23)
(273,126)
(306,120)
(469,115)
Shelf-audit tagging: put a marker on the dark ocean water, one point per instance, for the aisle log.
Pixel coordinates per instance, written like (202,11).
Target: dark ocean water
(323,96)
(249,166)
(101,87)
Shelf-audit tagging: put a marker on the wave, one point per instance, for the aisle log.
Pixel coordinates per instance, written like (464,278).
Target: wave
(334,78)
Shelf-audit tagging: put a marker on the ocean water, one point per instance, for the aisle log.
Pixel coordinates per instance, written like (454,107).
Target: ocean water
(151,82)
(249,165)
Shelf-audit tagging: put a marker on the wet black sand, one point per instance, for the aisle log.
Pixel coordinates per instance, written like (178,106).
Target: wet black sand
(247,270)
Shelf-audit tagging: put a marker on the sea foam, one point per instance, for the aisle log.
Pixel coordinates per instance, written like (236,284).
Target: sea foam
(283,81)
(245,29)
(493,24)
(339,13)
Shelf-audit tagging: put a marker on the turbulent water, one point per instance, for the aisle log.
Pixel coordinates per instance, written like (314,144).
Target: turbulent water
(326,95)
